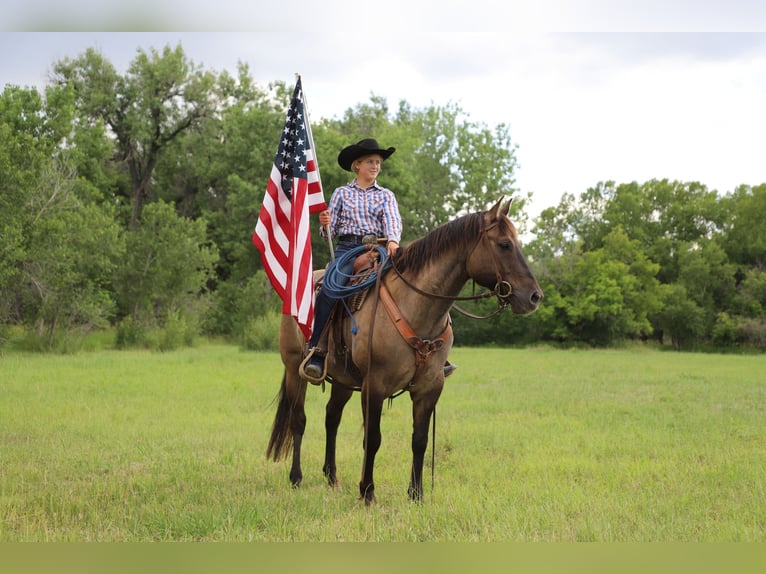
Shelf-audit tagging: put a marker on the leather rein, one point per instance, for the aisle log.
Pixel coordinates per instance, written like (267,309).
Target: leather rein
(424,347)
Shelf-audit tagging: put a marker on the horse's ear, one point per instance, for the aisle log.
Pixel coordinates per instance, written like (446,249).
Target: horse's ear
(498,210)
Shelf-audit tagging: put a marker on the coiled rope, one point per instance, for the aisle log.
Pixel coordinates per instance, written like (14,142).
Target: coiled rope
(336,285)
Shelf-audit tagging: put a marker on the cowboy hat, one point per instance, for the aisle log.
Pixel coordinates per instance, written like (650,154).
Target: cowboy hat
(367,146)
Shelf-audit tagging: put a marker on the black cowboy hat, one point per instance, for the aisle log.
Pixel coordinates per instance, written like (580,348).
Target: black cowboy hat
(364,147)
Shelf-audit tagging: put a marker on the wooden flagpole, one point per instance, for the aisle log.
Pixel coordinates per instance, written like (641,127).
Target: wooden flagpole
(327,229)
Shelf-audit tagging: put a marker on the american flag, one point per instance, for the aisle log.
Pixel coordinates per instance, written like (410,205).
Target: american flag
(282,233)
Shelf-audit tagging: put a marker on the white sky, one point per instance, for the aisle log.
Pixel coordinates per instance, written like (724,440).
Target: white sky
(592,91)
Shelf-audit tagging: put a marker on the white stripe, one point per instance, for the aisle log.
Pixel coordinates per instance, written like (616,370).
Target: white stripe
(274,265)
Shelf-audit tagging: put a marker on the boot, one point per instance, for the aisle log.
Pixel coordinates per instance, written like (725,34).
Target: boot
(313,367)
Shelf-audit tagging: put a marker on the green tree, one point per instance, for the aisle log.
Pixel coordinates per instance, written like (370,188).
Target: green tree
(23,152)
(600,296)
(661,215)
(750,297)
(161,96)
(672,225)
(680,318)
(167,265)
(707,275)
(745,232)
(70,263)
(58,250)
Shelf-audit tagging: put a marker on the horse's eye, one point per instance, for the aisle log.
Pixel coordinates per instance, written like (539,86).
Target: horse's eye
(505,245)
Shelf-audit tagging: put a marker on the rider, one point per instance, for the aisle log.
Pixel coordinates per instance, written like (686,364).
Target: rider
(362,207)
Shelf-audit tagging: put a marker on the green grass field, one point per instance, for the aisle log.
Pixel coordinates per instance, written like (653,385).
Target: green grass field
(531,445)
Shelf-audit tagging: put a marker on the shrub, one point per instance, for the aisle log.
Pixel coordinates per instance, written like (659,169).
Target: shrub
(262,333)
(129,333)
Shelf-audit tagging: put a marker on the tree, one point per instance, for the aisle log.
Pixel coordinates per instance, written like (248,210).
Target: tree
(70,264)
(167,265)
(680,317)
(745,232)
(750,297)
(704,270)
(601,296)
(24,150)
(161,96)
(674,227)
(227,188)
(58,250)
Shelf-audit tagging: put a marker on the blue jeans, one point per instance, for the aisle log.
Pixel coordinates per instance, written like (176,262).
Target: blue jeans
(324,304)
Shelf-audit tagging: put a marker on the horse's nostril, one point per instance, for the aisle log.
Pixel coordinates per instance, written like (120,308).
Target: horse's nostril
(536,297)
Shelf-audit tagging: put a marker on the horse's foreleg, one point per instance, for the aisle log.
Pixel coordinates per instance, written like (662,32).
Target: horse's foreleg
(372,407)
(422,410)
(339,396)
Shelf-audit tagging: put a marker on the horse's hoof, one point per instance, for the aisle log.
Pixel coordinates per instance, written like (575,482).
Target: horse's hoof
(367,494)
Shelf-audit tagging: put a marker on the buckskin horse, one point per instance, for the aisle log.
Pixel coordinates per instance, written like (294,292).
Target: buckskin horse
(402,345)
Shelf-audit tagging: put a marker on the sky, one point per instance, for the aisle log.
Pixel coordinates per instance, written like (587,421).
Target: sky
(591,91)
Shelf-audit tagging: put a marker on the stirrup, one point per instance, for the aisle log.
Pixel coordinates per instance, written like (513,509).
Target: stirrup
(313,378)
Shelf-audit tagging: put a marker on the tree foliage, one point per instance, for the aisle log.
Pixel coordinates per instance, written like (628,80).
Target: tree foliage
(698,275)
(161,96)
(130,198)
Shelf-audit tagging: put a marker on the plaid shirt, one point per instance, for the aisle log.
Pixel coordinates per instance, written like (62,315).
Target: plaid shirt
(358,211)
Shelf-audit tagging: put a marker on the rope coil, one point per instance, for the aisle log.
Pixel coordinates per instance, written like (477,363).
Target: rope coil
(336,283)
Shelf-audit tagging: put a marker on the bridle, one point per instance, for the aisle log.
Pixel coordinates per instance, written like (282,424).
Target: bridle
(502,290)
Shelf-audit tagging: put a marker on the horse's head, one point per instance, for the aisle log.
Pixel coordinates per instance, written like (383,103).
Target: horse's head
(497,262)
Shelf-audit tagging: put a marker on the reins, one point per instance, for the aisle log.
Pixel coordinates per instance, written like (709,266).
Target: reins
(502,290)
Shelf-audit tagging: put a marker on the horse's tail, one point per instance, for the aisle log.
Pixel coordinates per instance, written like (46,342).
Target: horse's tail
(281,441)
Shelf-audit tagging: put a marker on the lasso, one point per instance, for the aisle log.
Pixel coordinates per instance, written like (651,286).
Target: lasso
(336,283)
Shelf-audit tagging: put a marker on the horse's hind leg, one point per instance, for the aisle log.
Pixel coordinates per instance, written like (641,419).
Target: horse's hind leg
(339,396)
(289,424)
(297,426)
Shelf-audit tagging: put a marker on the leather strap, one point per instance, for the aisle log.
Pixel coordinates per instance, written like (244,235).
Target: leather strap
(423,347)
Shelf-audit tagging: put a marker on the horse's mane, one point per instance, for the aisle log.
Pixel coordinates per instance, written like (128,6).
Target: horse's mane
(454,235)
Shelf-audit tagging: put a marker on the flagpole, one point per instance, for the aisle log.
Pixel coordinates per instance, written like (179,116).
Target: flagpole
(327,228)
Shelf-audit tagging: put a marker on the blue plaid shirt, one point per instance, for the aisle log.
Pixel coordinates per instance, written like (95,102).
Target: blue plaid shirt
(358,211)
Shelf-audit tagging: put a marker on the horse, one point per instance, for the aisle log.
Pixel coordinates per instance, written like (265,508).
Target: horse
(402,345)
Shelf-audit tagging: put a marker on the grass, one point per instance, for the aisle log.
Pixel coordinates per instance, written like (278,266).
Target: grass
(531,445)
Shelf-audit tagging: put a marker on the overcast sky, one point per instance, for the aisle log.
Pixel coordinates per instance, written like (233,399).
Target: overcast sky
(591,90)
